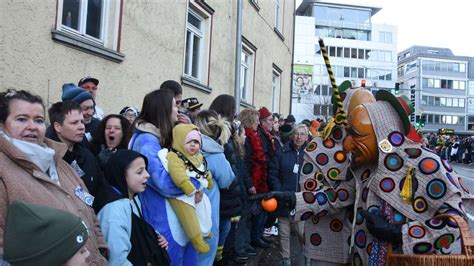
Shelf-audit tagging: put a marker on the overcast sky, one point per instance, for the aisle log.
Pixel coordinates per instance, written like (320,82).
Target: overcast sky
(447,24)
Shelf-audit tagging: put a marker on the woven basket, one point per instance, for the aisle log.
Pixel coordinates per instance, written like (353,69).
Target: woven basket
(466,258)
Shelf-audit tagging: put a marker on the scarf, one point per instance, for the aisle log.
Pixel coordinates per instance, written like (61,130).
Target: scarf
(259,161)
(39,154)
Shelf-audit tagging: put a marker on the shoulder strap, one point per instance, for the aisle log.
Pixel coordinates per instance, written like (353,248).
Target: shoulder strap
(138,208)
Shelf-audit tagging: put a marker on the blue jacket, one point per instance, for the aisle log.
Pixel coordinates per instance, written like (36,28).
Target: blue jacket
(282,176)
(223,176)
(156,210)
(116,224)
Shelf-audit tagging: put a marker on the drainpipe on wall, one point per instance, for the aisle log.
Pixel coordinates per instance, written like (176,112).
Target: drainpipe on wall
(238,54)
(292,56)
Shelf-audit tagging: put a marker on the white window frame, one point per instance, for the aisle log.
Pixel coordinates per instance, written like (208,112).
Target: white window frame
(83,4)
(276,88)
(279,15)
(108,43)
(246,84)
(189,54)
(201,77)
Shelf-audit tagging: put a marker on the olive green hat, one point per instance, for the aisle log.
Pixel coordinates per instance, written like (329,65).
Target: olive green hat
(40,235)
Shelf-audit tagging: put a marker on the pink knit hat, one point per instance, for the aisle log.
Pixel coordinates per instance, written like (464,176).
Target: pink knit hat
(193,135)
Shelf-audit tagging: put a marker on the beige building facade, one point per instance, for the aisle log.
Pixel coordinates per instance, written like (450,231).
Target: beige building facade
(132,46)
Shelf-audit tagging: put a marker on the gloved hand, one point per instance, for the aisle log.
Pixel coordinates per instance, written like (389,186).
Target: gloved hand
(379,227)
(285,198)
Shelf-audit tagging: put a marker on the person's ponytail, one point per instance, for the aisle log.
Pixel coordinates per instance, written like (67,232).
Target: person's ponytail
(213,125)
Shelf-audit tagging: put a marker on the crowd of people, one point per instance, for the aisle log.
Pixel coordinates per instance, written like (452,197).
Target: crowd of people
(451,147)
(177,184)
(168,184)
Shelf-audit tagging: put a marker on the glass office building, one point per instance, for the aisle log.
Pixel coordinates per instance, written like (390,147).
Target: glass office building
(359,50)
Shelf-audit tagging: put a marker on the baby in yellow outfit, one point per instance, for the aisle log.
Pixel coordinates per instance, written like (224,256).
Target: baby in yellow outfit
(185,161)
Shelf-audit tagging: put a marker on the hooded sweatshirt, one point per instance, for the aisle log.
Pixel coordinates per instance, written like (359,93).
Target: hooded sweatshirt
(115,217)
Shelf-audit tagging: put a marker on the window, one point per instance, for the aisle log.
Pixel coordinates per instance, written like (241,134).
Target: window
(347,71)
(431,100)
(388,56)
(279,15)
(194,41)
(368,54)
(456,85)
(353,53)
(196,54)
(247,61)
(83,17)
(385,37)
(424,100)
(347,52)
(353,72)
(276,81)
(455,102)
(339,71)
(449,102)
(90,25)
(471,88)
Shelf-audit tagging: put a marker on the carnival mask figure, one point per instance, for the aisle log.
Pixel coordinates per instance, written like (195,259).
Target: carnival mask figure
(402,186)
(324,178)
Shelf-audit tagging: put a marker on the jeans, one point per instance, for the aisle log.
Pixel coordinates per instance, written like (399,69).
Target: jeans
(242,232)
(224,228)
(258,225)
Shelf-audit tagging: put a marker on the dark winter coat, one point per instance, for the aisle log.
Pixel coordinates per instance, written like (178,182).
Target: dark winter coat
(231,204)
(282,176)
(88,169)
(270,145)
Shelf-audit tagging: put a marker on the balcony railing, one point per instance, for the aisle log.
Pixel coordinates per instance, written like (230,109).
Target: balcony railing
(344,24)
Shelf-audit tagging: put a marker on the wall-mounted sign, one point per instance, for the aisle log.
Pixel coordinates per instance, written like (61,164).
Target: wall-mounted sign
(446,131)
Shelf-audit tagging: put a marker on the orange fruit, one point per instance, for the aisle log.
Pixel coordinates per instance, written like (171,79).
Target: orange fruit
(269,205)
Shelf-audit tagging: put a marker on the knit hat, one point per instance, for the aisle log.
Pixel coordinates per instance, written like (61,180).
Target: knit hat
(40,235)
(290,119)
(71,92)
(263,113)
(193,135)
(286,130)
